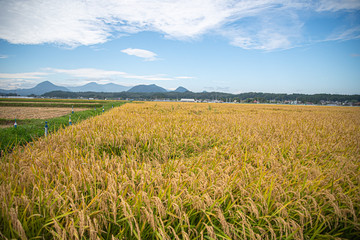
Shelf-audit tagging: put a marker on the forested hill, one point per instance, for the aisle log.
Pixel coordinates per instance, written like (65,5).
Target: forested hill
(228,97)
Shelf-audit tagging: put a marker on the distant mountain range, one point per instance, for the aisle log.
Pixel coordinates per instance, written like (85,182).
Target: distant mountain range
(94,87)
(47,86)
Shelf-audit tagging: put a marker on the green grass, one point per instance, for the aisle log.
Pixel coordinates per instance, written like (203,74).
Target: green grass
(30,129)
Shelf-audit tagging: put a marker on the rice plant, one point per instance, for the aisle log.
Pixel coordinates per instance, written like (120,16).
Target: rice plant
(189,171)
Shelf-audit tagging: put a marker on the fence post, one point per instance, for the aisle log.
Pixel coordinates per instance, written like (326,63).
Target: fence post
(72,109)
(46,129)
(15,124)
(70,123)
(103,108)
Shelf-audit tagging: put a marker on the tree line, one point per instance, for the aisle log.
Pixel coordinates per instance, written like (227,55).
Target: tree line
(226,97)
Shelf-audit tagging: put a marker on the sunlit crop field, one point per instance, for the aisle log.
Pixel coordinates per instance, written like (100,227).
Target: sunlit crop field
(189,171)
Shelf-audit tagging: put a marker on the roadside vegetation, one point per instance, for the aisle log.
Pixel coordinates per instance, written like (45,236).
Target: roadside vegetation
(189,171)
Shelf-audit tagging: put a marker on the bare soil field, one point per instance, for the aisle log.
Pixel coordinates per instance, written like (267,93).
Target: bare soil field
(34,112)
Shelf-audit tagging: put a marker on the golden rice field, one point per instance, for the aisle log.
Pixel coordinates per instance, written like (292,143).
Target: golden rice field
(189,171)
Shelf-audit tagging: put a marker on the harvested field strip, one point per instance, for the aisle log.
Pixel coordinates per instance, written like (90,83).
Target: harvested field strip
(51,100)
(35,112)
(49,104)
(189,171)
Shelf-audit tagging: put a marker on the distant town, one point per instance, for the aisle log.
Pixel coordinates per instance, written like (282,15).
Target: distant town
(155,93)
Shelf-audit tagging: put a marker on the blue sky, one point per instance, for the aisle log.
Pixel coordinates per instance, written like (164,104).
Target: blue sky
(283,46)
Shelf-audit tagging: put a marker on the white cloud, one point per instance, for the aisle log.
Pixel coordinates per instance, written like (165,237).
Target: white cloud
(147,55)
(63,22)
(74,23)
(3,56)
(251,24)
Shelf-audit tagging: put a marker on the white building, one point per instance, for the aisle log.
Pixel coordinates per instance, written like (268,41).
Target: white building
(187,100)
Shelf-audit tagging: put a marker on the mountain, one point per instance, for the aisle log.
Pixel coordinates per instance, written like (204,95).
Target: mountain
(94,87)
(181,90)
(44,87)
(39,89)
(112,87)
(147,89)
(47,86)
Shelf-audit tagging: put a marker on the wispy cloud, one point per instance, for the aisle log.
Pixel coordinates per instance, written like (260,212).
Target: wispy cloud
(79,76)
(10,84)
(184,77)
(250,24)
(157,77)
(18,80)
(3,56)
(29,75)
(142,53)
(91,73)
(99,74)
(336,5)
(345,34)
(355,55)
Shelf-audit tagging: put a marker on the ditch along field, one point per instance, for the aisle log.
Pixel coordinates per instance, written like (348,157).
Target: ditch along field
(189,171)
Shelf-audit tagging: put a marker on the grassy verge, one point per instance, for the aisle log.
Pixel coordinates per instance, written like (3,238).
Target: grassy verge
(30,129)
